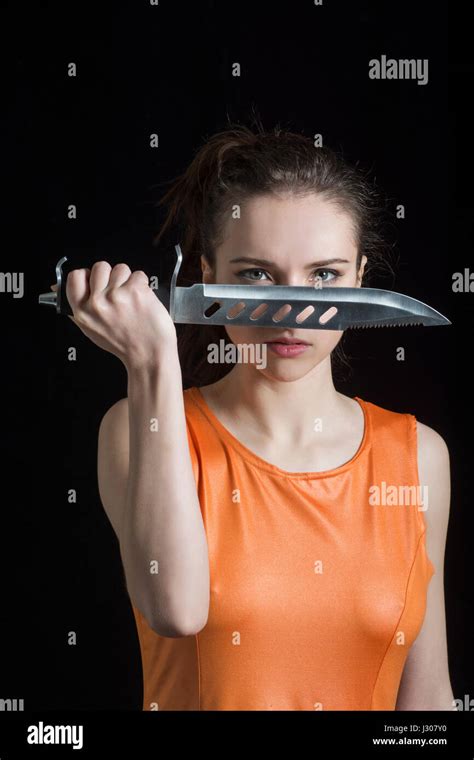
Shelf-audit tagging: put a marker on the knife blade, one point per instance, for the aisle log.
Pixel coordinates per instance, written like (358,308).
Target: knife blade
(318,308)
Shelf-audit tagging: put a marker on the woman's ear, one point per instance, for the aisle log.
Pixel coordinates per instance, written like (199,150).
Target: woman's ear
(207,272)
(360,273)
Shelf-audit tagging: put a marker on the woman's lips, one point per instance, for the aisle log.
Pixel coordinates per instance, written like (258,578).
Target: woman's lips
(287,349)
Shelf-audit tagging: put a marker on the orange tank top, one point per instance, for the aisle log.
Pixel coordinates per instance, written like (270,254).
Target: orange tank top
(318,580)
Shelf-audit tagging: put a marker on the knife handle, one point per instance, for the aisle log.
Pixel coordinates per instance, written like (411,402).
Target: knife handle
(59,300)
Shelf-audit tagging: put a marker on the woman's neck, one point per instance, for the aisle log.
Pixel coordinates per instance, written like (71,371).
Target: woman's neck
(288,410)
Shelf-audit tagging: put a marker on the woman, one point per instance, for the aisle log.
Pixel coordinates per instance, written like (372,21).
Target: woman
(265,568)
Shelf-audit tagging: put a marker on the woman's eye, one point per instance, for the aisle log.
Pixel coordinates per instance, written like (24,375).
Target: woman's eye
(319,274)
(248,272)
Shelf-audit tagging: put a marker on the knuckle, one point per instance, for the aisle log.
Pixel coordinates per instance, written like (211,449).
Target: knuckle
(115,296)
(121,265)
(96,302)
(75,274)
(138,279)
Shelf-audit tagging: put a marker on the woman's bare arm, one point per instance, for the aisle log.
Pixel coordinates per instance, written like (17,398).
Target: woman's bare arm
(425,683)
(148,490)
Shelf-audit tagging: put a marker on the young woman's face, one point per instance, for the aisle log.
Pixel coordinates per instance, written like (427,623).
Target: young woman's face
(287,241)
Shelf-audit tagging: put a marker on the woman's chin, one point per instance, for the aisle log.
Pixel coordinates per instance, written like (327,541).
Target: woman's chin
(285,371)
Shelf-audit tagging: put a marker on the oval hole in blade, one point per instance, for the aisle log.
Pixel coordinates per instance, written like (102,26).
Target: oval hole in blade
(212,309)
(307,311)
(259,311)
(327,315)
(281,313)
(235,310)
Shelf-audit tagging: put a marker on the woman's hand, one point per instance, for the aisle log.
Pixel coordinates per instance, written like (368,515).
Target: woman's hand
(120,313)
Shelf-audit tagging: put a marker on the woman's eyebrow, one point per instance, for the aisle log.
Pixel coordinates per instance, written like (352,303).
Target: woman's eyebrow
(265,262)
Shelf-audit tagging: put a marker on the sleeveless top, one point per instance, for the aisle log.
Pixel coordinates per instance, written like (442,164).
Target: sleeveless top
(318,580)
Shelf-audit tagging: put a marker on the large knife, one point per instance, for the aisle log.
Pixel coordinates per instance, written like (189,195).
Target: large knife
(314,308)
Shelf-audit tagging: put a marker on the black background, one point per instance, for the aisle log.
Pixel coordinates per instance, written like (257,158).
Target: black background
(85,140)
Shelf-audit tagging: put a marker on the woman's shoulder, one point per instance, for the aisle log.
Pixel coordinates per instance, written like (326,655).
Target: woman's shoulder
(434,467)
(430,443)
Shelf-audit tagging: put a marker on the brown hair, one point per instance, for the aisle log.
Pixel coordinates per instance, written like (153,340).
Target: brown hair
(240,163)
